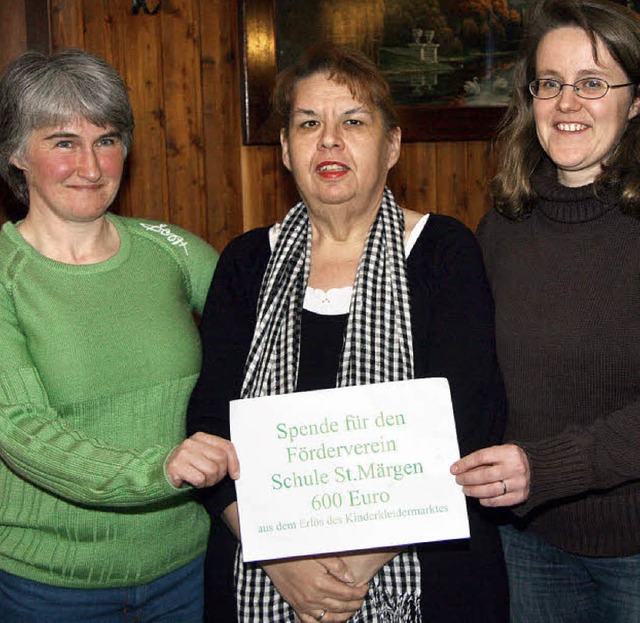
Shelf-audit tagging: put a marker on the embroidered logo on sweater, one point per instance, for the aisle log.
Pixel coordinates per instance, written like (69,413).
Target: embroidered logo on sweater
(174,239)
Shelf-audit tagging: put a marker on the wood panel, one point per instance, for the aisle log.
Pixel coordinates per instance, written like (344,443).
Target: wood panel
(138,56)
(268,190)
(24,24)
(188,164)
(13,30)
(413,180)
(222,134)
(66,24)
(180,48)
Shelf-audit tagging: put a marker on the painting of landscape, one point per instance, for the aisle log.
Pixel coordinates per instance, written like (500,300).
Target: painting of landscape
(441,53)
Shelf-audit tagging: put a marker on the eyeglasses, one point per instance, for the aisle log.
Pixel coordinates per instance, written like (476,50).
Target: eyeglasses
(587,88)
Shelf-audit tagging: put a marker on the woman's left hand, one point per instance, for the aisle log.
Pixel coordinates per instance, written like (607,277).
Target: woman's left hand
(317,588)
(364,565)
(497,476)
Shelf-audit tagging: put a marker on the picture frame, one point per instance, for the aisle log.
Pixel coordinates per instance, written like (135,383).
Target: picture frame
(259,56)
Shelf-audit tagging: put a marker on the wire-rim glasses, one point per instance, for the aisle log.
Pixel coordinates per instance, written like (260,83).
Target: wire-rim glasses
(586,88)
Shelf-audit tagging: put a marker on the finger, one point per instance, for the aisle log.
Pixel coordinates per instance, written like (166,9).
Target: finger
(233,463)
(329,616)
(338,606)
(482,476)
(338,591)
(208,472)
(496,489)
(337,568)
(485,456)
(181,474)
(197,470)
(220,450)
(511,499)
(483,492)
(343,611)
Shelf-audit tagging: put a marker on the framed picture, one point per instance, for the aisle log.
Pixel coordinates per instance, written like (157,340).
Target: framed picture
(449,62)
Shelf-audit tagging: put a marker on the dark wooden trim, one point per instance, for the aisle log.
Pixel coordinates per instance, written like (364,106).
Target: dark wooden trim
(259,67)
(33,33)
(38,25)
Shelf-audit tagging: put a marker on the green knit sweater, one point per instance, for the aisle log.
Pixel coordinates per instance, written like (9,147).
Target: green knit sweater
(98,362)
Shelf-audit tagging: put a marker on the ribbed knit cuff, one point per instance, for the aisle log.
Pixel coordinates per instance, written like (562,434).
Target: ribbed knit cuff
(558,469)
(166,476)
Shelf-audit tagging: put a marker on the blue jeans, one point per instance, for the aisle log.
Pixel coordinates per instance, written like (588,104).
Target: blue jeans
(549,585)
(174,598)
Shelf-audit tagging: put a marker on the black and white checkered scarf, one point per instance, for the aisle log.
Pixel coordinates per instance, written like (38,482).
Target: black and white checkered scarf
(377,348)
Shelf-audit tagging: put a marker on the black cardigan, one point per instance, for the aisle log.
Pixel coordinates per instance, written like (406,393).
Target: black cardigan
(453,336)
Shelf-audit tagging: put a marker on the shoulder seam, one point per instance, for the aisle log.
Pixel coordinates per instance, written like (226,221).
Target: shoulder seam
(146,228)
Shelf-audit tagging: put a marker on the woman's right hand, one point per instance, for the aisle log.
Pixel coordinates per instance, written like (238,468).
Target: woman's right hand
(313,586)
(497,476)
(202,460)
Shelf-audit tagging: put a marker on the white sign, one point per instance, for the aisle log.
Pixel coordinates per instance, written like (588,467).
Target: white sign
(347,469)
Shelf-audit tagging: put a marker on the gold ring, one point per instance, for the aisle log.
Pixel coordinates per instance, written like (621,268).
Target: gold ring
(504,487)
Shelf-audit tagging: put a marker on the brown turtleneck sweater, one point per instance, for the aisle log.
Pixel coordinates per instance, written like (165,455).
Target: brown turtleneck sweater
(566,283)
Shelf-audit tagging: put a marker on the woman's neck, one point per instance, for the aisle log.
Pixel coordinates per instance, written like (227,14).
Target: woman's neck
(72,242)
(335,252)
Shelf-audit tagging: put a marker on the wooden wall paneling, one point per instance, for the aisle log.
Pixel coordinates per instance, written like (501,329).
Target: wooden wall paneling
(13,35)
(97,26)
(67,24)
(259,185)
(13,30)
(37,22)
(138,56)
(268,190)
(24,25)
(451,171)
(414,178)
(183,113)
(221,120)
(479,172)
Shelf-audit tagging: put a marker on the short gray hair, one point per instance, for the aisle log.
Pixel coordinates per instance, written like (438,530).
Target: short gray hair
(38,91)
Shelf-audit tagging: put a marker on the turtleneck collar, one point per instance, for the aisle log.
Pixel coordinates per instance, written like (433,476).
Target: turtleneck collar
(568,204)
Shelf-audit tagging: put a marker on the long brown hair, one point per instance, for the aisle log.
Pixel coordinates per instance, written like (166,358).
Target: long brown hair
(519,150)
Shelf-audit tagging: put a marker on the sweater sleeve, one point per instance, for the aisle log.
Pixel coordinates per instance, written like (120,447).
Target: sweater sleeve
(201,263)
(44,449)
(599,456)
(226,329)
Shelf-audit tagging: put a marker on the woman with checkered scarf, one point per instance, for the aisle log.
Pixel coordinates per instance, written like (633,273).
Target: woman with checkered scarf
(350,289)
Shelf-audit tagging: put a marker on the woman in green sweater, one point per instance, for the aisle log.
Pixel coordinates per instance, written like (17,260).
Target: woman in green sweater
(99,356)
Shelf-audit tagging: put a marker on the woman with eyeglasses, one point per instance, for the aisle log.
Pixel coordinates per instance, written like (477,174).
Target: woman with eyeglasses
(562,250)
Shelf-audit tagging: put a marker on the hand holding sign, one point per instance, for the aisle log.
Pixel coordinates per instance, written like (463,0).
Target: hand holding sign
(341,459)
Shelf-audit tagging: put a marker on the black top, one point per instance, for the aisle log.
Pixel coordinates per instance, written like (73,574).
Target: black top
(453,336)
(566,283)
(320,350)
